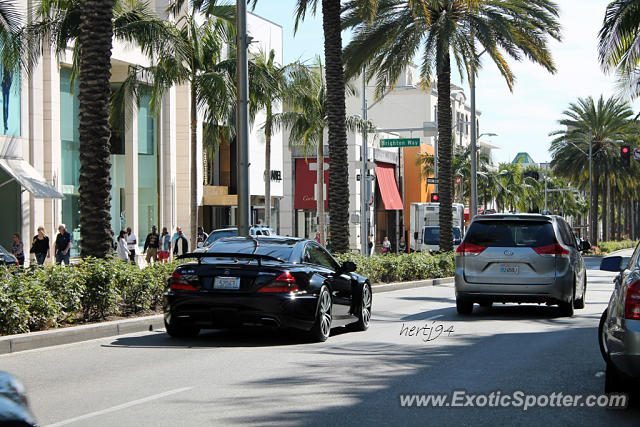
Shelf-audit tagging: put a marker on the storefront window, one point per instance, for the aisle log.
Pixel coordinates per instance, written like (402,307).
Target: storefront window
(147,168)
(10,105)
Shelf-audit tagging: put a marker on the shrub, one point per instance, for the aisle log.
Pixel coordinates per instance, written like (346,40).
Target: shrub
(608,247)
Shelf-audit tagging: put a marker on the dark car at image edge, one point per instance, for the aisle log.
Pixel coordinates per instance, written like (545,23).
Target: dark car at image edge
(283,282)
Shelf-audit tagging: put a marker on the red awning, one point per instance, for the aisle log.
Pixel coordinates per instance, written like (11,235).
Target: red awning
(388,189)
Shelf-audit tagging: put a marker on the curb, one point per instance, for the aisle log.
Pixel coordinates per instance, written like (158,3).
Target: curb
(34,340)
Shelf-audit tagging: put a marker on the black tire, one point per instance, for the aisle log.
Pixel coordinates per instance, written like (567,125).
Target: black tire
(364,312)
(486,304)
(322,326)
(464,306)
(613,380)
(566,308)
(181,330)
(601,341)
(579,303)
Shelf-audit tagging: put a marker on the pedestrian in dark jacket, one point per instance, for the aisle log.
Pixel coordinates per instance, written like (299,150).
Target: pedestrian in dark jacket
(151,245)
(40,246)
(182,245)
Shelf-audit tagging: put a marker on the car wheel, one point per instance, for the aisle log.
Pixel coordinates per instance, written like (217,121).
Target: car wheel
(181,331)
(602,342)
(486,304)
(364,314)
(464,306)
(566,308)
(322,326)
(579,303)
(613,381)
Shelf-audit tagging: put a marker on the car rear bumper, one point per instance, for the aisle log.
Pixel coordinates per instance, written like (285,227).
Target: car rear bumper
(210,311)
(558,290)
(624,349)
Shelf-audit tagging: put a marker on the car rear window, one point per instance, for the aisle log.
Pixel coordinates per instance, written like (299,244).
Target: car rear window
(511,233)
(280,250)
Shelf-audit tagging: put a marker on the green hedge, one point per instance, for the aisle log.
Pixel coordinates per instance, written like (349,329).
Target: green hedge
(402,267)
(32,300)
(608,247)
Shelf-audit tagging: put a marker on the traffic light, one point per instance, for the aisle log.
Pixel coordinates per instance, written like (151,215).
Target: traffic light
(435,197)
(625,156)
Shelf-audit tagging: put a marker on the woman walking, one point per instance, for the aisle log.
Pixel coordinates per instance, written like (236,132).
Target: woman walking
(121,249)
(40,246)
(18,249)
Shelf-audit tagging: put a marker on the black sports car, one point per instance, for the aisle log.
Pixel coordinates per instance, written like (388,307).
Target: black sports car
(7,258)
(266,281)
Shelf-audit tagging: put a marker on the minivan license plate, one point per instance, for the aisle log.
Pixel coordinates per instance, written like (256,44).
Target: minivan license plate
(511,269)
(226,283)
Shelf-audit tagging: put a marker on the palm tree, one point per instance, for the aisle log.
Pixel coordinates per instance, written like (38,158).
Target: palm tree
(604,123)
(619,43)
(9,17)
(307,97)
(441,30)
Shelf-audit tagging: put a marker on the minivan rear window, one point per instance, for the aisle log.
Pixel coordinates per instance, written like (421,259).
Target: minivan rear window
(511,233)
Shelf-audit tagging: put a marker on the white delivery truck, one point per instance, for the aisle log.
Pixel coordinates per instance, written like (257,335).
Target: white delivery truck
(425,226)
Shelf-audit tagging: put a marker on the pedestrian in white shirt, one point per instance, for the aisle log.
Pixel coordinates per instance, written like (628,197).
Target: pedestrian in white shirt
(121,249)
(132,241)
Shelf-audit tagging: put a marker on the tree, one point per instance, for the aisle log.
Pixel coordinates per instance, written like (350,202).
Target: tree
(387,40)
(619,43)
(9,17)
(307,97)
(604,123)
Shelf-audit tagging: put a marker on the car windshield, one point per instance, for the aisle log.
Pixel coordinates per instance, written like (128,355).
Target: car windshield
(511,233)
(215,235)
(4,253)
(280,249)
(432,235)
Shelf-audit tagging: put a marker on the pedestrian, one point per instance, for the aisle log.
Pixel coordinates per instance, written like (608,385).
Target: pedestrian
(386,245)
(370,245)
(402,246)
(181,246)
(18,249)
(40,246)
(63,245)
(122,248)
(151,245)
(328,245)
(176,235)
(201,236)
(132,241)
(165,246)
(318,237)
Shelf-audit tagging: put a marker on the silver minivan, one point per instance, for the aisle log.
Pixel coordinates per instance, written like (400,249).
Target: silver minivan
(523,258)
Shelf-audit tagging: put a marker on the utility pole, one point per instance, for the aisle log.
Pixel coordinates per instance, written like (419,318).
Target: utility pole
(473,209)
(364,183)
(242,115)
(592,214)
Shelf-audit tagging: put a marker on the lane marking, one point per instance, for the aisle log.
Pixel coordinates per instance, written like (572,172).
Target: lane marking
(119,407)
(435,317)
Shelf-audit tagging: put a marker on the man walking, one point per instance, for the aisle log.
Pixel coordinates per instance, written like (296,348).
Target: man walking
(132,241)
(165,245)
(182,245)
(201,237)
(63,245)
(151,245)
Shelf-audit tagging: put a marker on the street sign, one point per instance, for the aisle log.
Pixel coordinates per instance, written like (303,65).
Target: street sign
(432,180)
(636,153)
(400,142)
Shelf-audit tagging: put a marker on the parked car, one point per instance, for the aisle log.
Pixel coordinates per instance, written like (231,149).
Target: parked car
(266,281)
(7,258)
(14,406)
(619,329)
(255,230)
(523,258)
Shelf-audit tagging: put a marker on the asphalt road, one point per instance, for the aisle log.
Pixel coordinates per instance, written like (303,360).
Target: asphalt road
(262,378)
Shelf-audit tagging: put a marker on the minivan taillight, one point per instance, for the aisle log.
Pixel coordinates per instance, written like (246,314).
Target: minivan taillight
(469,249)
(283,283)
(632,301)
(177,282)
(555,249)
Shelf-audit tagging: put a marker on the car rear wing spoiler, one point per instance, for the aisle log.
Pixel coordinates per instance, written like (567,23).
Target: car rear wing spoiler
(200,255)
(500,217)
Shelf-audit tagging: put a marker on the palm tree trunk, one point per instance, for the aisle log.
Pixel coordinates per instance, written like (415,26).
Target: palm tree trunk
(194,165)
(593,216)
(320,184)
(336,112)
(445,180)
(95,37)
(605,213)
(268,126)
(612,217)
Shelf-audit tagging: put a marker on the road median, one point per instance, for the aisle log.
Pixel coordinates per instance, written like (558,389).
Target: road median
(72,334)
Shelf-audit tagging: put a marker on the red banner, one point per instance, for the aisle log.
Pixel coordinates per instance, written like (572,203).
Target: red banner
(305,182)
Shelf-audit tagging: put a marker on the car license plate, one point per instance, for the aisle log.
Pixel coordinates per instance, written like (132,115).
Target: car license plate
(509,269)
(226,283)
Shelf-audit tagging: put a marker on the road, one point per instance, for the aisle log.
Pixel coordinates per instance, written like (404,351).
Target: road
(262,378)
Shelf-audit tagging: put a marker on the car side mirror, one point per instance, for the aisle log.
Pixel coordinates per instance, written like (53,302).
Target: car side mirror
(611,263)
(348,267)
(200,244)
(584,245)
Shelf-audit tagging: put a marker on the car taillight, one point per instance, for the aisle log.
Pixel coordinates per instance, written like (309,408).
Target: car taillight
(555,249)
(469,249)
(632,301)
(179,283)
(283,283)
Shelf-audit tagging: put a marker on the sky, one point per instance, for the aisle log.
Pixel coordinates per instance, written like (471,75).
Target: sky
(522,119)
